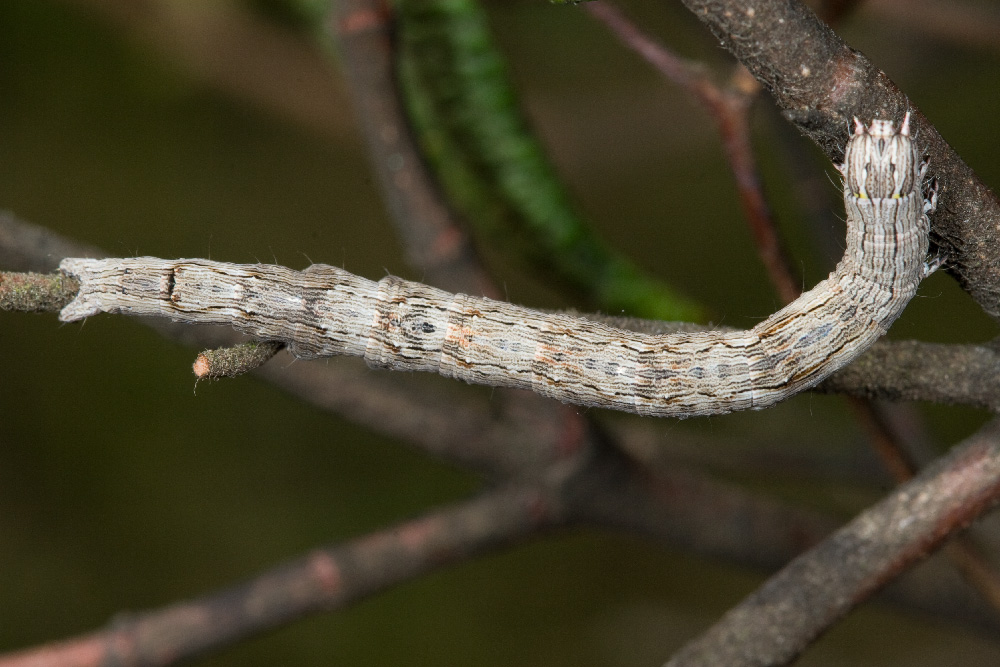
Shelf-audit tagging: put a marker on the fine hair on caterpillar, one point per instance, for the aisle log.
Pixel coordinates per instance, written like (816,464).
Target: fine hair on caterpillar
(325,311)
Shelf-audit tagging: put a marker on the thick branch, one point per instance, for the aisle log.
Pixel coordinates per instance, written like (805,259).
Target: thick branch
(821,84)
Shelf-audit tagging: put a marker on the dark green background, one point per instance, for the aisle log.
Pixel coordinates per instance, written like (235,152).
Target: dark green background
(123,489)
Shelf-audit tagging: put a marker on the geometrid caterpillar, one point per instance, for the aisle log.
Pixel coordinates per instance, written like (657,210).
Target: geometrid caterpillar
(325,311)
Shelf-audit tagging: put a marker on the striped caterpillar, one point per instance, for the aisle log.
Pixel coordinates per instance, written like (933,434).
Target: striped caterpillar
(325,311)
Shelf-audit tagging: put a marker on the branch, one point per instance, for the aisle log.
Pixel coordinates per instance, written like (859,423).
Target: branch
(235,360)
(326,579)
(776,623)
(36,292)
(910,370)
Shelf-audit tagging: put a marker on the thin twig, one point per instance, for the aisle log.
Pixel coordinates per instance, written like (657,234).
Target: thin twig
(234,361)
(729,109)
(36,292)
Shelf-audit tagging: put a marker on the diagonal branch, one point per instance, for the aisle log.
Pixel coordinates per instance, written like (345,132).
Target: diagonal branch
(326,579)
(776,623)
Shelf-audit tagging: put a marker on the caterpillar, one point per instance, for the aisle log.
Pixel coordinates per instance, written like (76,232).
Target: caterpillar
(393,323)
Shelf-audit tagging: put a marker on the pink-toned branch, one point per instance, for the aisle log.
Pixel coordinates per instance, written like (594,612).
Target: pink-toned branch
(324,580)
(728,107)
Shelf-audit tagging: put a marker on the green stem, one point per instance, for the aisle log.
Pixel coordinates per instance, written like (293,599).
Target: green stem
(494,170)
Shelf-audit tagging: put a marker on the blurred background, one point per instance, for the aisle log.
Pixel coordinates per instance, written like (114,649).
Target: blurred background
(224,130)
